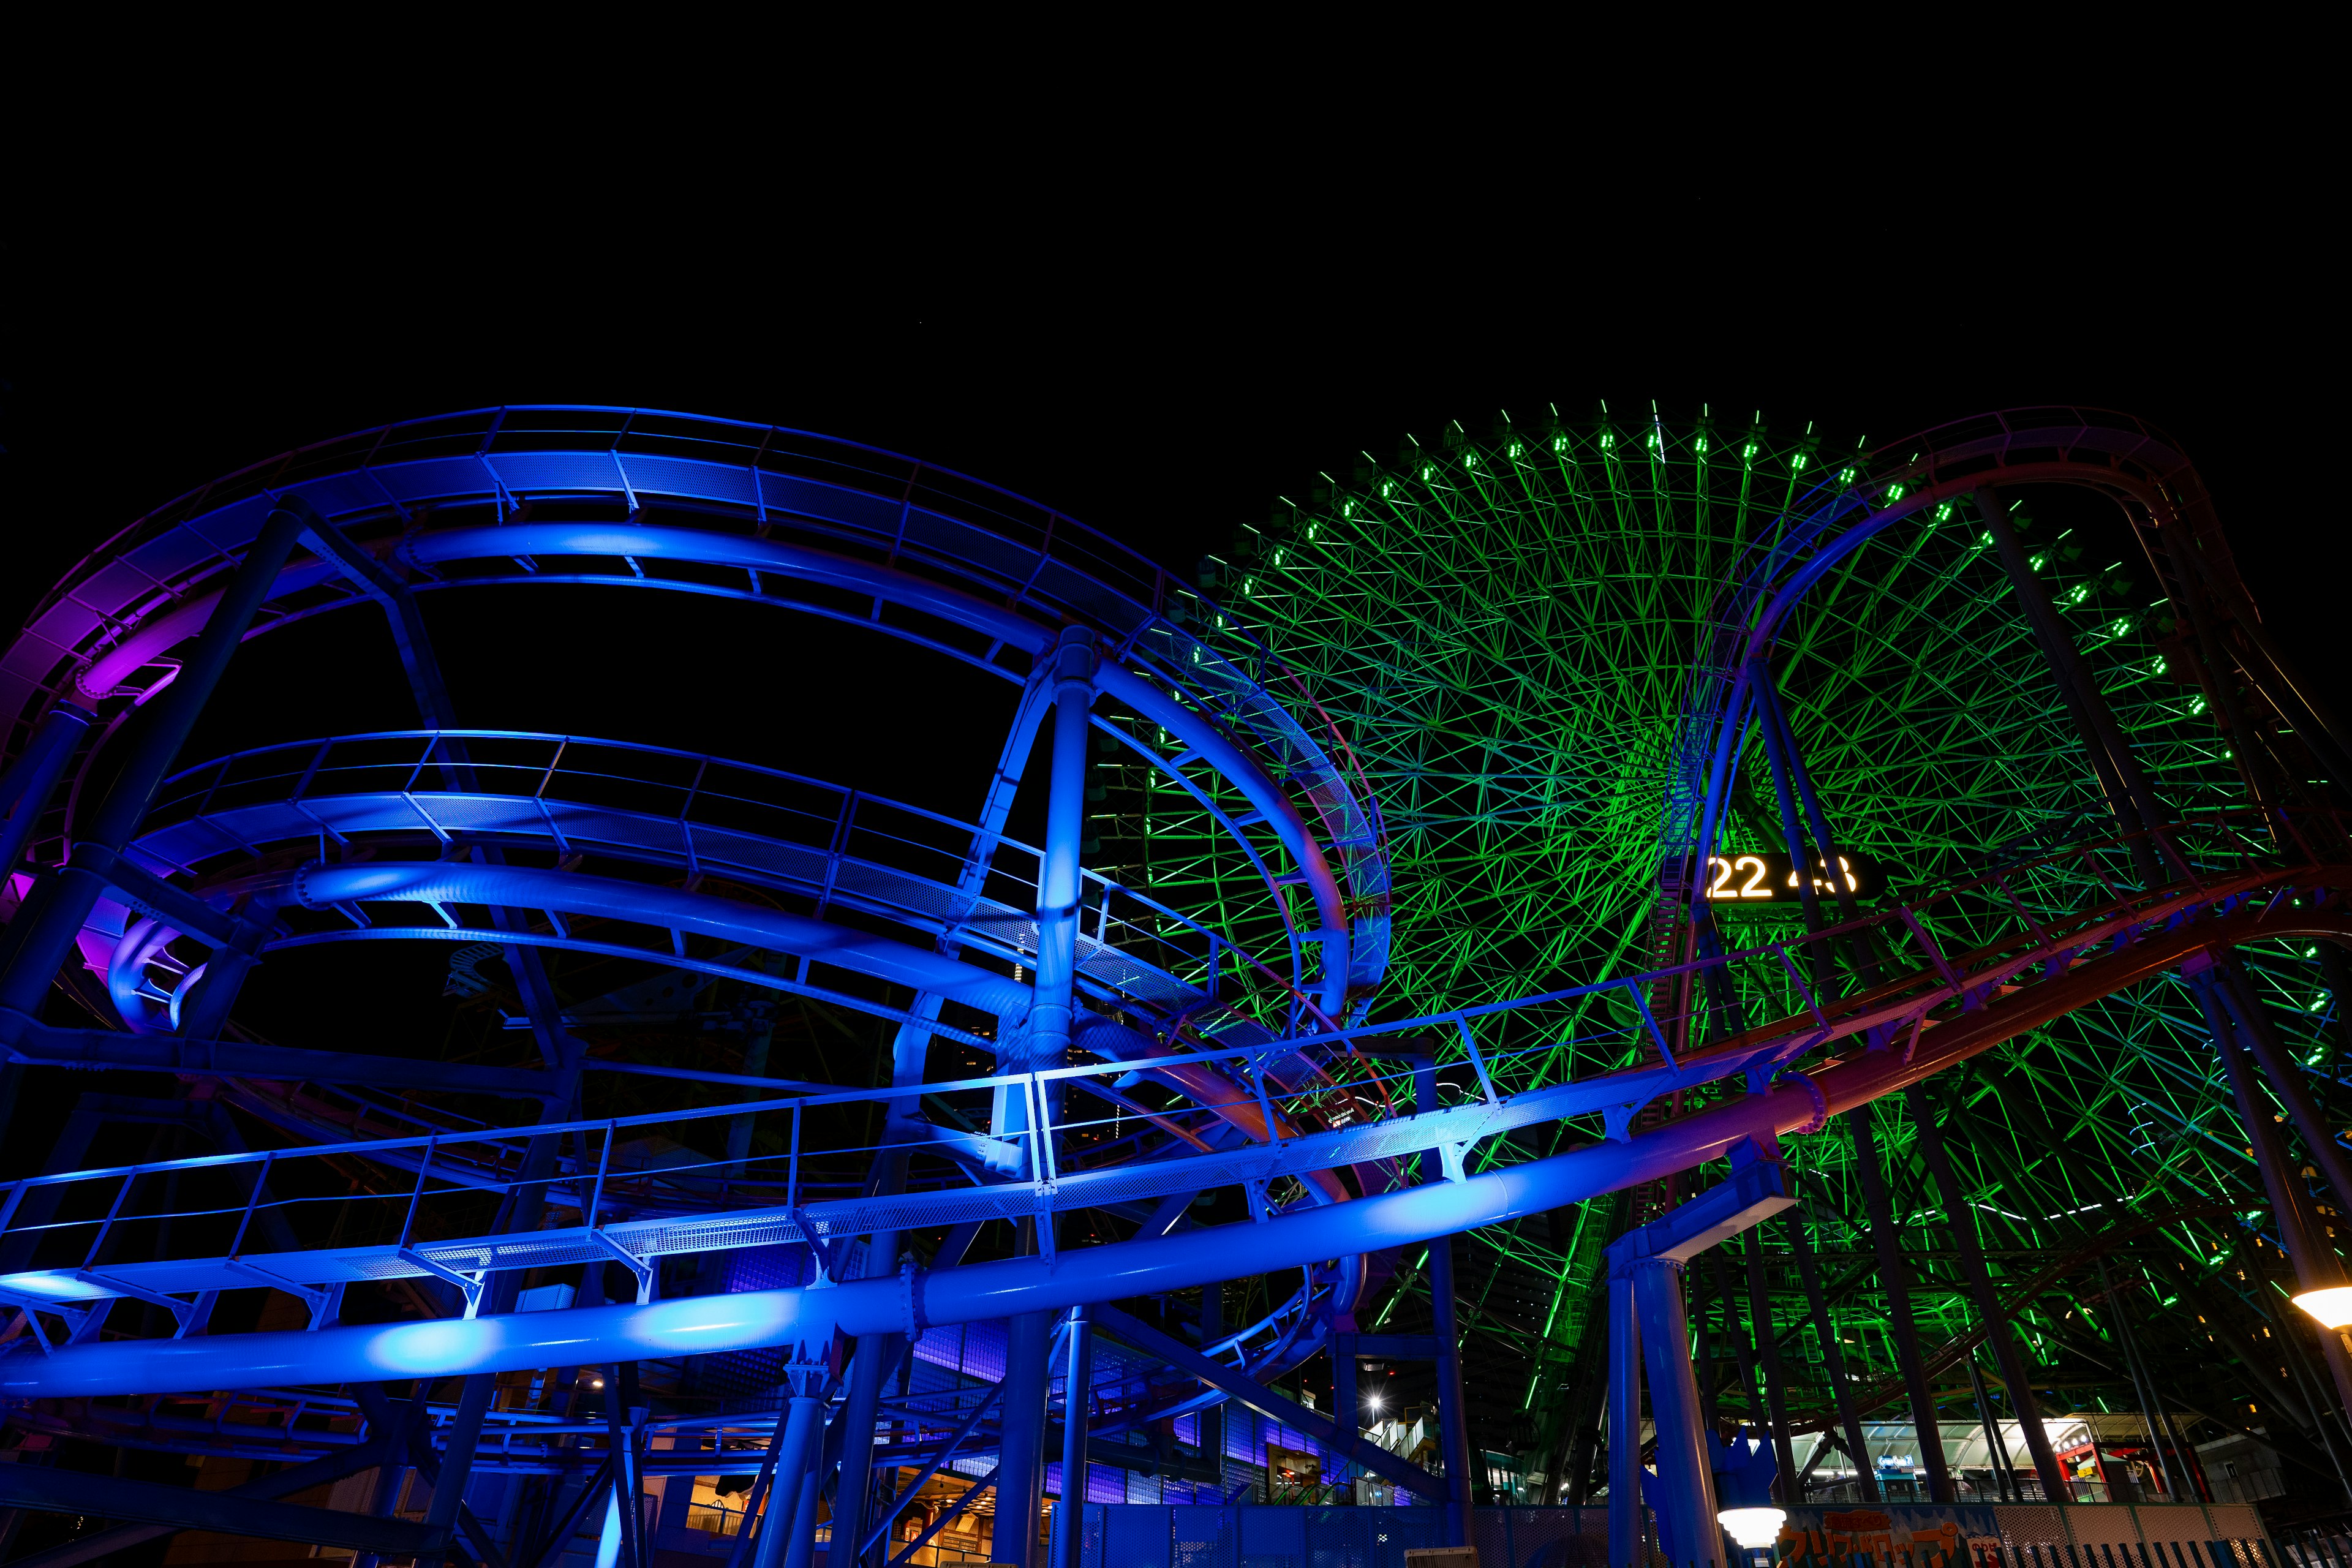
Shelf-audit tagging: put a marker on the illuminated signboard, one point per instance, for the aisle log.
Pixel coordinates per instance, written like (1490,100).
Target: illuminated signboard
(1755,877)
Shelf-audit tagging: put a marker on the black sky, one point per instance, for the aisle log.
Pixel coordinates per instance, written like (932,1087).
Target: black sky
(1162,347)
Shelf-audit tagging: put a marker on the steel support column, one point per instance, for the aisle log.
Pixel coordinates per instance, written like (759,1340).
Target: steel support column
(1832,1356)
(1347,1400)
(2130,795)
(1624,1423)
(1058,883)
(25,789)
(2014,1373)
(783,1528)
(1894,1281)
(2256,1027)
(1685,1480)
(805,1500)
(1768,1354)
(1453,1410)
(1076,1395)
(1743,1353)
(1021,1468)
(2315,1268)
(43,933)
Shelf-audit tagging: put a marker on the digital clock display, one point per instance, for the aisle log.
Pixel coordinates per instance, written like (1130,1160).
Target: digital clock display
(1758,878)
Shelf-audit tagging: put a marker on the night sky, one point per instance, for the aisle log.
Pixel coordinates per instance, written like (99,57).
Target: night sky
(1162,357)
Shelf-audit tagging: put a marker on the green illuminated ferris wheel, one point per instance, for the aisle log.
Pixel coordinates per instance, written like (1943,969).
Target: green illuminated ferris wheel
(1501,628)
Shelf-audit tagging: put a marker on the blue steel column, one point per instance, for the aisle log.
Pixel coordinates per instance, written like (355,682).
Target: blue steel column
(1072,1513)
(800,1545)
(1625,1424)
(1058,882)
(876,1357)
(43,933)
(33,779)
(1452,1418)
(1686,1500)
(1347,1403)
(781,1525)
(1020,1464)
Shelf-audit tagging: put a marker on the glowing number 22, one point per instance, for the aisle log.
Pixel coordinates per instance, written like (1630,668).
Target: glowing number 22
(1721,886)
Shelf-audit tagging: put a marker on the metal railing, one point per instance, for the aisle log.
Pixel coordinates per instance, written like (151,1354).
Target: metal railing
(1081,1138)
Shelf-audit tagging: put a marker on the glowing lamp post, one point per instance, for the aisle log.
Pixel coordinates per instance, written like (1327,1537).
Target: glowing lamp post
(2331,1306)
(1753,1527)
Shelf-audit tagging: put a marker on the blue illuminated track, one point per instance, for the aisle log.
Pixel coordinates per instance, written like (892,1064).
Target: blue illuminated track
(1069,1051)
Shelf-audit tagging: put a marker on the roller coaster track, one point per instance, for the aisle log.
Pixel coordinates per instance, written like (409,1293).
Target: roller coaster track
(1209,1054)
(1949,1005)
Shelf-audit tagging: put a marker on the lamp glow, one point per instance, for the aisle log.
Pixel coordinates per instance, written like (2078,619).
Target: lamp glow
(2331,1306)
(1753,1527)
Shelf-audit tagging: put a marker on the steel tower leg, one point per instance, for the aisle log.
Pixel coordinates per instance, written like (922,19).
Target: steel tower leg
(1743,1353)
(2014,1372)
(2130,795)
(1702,1308)
(28,785)
(1076,1397)
(877,1358)
(1685,1506)
(1021,1474)
(2315,1268)
(783,1528)
(43,933)
(1213,1419)
(800,1541)
(2255,1027)
(1833,1358)
(1347,1402)
(1624,1424)
(1453,1414)
(1020,1469)
(1895,1280)
(1767,1353)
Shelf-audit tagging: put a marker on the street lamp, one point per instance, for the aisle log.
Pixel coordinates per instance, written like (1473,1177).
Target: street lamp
(2331,1306)
(1753,1527)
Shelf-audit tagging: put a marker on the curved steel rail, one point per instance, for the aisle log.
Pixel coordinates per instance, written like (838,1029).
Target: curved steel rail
(800,518)
(1949,1005)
